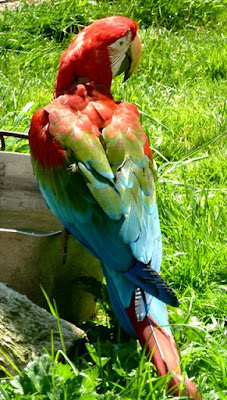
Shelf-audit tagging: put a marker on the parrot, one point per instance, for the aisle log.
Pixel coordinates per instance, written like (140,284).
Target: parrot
(95,170)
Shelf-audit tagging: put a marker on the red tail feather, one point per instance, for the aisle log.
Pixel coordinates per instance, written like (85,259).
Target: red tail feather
(165,356)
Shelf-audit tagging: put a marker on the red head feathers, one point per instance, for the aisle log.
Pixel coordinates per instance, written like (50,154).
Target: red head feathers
(97,53)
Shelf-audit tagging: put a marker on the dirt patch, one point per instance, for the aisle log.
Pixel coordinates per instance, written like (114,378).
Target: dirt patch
(11,4)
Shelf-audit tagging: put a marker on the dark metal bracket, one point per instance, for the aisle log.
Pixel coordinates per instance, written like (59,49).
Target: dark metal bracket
(12,134)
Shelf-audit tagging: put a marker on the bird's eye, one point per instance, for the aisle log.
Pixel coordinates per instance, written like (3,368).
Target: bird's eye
(121,44)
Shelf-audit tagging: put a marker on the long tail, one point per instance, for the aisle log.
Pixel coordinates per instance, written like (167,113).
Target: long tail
(146,317)
(159,342)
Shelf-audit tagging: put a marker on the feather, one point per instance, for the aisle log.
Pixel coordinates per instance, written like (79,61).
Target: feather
(151,282)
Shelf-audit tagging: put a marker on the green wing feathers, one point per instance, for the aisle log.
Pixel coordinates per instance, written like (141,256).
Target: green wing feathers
(124,137)
(75,133)
(111,158)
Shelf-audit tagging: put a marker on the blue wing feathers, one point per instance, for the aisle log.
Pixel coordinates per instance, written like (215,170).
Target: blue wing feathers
(131,228)
(148,246)
(126,175)
(151,282)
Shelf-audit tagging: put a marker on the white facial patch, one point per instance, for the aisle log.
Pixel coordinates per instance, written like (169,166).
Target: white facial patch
(117,51)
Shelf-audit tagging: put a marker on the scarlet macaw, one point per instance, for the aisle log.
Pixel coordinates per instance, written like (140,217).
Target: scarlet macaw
(95,170)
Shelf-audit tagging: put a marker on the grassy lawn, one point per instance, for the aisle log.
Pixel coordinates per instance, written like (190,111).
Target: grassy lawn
(180,90)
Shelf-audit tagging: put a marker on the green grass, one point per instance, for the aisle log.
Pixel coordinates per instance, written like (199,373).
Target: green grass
(180,90)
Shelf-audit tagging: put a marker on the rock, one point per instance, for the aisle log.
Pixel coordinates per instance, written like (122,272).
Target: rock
(25,330)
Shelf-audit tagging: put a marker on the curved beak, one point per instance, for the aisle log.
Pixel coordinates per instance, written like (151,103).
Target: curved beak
(133,56)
